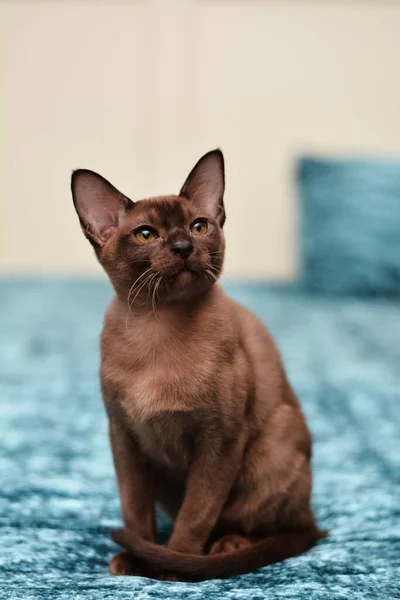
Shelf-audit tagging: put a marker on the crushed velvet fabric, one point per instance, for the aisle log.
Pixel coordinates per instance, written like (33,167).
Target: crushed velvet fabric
(58,495)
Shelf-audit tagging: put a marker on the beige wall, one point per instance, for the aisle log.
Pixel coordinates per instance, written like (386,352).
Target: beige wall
(139,90)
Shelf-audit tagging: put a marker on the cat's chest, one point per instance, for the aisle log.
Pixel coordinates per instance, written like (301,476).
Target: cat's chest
(160,387)
(167,440)
(167,388)
(164,392)
(164,408)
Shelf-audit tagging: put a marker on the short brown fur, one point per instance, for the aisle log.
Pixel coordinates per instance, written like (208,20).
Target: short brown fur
(202,418)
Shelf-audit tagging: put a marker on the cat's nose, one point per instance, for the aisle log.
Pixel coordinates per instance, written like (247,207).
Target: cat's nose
(183,247)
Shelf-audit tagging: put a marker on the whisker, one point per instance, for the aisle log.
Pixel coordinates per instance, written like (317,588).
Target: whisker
(143,284)
(228,259)
(153,284)
(211,274)
(153,299)
(232,261)
(129,295)
(136,283)
(158,285)
(130,291)
(213,268)
(218,273)
(150,283)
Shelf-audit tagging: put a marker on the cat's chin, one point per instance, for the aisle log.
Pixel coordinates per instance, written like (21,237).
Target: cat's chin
(183,283)
(184,276)
(186,284)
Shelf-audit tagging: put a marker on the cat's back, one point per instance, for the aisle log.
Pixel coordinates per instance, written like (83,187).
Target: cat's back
(252,333)
(266,374)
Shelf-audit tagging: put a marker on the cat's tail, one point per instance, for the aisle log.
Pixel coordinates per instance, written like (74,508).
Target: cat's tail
(199,567)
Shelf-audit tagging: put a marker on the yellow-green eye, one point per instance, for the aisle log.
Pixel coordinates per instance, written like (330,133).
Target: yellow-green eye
(199,227)
(145,235)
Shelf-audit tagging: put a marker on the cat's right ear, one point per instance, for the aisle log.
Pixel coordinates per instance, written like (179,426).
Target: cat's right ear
(205,184)
(100,206)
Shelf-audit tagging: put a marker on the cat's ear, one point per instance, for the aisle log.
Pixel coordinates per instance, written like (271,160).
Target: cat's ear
(100,206)
(205,184)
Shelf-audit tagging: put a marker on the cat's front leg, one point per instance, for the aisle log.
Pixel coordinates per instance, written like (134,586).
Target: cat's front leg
(209,482)
(136,483)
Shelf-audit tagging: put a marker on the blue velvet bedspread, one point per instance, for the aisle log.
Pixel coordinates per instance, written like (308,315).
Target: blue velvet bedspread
(58,496)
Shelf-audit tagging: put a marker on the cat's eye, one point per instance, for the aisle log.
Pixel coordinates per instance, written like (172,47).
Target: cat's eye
(145,235)
(199,227)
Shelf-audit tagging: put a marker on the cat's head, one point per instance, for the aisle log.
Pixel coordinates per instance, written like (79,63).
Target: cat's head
(162,249)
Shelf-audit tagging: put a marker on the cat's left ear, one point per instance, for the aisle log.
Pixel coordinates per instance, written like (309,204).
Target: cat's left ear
(205,184)
(100,206)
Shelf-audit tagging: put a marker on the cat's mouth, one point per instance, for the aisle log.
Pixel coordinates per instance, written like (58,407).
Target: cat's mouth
(186,271)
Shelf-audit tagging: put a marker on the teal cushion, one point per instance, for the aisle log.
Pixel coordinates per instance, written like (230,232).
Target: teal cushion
(350,225)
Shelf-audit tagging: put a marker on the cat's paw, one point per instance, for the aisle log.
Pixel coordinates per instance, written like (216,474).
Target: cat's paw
(123,563)
(229,543)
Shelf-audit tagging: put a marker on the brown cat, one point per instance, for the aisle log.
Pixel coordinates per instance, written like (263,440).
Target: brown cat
(202,418)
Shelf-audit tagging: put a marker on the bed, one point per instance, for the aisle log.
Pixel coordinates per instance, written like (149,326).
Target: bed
(58,495)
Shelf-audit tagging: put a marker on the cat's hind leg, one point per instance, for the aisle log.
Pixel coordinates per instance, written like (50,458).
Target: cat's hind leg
(230,543)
